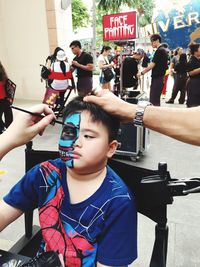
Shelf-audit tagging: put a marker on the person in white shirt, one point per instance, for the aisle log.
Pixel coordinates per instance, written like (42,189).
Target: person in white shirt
(60,74)
(103,63)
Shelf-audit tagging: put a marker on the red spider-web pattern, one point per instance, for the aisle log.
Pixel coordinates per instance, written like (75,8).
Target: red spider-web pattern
(55,235)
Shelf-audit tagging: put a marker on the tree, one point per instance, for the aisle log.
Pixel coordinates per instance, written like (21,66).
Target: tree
(80,15)
(145,11)
(114,5)
(144,8)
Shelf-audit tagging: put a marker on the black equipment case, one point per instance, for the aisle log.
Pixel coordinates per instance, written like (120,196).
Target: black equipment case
(133,141)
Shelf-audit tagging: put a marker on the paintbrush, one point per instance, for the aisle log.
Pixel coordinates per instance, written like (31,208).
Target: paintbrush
(36,114)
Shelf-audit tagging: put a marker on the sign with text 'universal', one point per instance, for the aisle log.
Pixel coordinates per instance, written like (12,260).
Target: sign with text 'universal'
(120,26)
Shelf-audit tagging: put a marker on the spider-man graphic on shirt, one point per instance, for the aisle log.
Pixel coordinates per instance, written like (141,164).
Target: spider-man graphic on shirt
(58,236)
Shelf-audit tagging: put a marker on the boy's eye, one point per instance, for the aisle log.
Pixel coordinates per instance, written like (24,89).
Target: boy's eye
(88,136)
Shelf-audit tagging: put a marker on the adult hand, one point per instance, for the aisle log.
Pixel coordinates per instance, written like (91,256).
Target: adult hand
(112,104)
(25,127)
(75,63)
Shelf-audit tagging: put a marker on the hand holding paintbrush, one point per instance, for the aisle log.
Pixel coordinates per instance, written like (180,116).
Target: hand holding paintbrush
(36,114)
(26,125)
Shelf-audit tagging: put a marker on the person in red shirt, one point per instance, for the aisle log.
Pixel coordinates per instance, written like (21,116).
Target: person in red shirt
(6,115)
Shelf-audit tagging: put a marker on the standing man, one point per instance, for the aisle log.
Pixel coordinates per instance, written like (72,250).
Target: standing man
(158,66)
(130,69)
(83,63)
(173,63)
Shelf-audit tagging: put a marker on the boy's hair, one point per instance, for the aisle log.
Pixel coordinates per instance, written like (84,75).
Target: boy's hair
(75,43)
(97,115)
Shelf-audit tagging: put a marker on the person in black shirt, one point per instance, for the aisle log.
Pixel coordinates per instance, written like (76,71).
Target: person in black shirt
(181,78)
(158,67)
(193,84)
(130,69)
(83,63)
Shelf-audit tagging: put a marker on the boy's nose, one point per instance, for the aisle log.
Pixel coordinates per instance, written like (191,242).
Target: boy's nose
(77,142)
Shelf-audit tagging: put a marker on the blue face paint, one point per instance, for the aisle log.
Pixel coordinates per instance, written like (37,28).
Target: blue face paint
(69,135)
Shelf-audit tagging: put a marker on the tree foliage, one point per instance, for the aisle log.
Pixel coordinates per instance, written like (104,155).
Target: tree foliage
(145,11)
(80,15)
(144,8)
(114,5)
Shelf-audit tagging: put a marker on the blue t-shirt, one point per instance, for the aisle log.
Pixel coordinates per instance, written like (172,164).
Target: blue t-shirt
(101,228)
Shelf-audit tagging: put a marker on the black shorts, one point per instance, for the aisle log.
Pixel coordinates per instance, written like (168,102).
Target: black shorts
(84,85)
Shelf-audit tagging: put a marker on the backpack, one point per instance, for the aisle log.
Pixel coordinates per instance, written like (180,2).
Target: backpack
(45,72)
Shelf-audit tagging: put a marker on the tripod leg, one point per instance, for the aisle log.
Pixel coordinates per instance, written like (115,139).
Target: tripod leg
(61,108)
(28,216)
(159,254)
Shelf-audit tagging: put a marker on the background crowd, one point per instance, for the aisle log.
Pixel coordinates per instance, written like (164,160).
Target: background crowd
(118,72)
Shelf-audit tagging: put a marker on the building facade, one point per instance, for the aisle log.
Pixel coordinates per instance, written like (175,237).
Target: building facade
(30,30)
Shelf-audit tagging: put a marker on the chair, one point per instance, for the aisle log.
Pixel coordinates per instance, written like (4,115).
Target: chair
(156,185)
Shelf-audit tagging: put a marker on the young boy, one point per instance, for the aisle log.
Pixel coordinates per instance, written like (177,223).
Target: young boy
(86,212)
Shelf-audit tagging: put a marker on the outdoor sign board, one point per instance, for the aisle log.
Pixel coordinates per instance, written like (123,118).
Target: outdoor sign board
(120,26)
(178,23)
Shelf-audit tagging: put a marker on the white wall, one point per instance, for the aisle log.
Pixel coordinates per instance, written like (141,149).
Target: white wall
(64,28)
(25,44)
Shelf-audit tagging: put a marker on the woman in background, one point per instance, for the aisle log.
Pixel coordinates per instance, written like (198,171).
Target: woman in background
(6,115)
(60,75)
(52,58)
(103,63)
(49,61)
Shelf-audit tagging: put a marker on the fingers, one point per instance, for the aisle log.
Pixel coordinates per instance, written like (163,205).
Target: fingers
(43,123)
(48,118)
(92,98)
(42,108)
(33,125)
(97,91)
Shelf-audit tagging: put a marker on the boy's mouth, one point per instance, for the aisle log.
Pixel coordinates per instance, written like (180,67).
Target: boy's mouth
(68,153)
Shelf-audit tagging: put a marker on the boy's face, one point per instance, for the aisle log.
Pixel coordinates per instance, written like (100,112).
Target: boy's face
(84,144)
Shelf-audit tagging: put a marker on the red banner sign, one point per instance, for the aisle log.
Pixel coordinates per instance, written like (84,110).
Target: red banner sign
(120,26)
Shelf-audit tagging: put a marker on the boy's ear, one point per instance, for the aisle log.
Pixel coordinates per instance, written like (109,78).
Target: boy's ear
(112,148)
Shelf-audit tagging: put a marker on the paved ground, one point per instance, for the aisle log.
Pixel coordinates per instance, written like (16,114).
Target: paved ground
(183,215)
